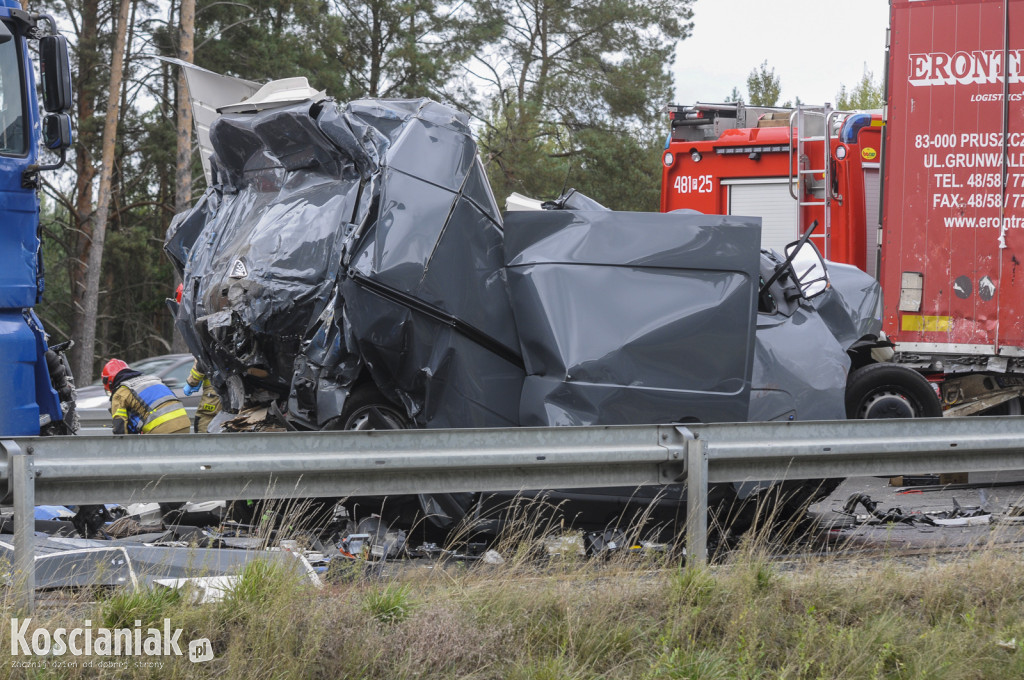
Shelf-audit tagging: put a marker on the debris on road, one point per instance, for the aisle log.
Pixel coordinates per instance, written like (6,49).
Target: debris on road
(138,561)
(958,516)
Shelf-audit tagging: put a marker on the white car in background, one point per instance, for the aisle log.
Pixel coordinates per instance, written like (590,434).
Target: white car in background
(94,403)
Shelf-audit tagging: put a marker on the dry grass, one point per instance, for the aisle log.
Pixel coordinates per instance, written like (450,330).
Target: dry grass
(626,617)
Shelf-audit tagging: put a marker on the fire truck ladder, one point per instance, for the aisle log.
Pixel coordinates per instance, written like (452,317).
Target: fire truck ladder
(811,124)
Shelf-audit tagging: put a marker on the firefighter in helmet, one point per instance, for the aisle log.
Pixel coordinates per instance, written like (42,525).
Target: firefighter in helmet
(209,403)
(142,404)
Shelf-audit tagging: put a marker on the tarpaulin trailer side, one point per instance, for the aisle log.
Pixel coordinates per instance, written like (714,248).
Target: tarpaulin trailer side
(954,179)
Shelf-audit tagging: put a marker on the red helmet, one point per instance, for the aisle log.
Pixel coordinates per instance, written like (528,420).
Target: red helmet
(110,371)
(177,293)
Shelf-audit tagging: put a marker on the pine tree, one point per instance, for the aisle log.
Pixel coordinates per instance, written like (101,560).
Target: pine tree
(763,86)
(575,93)
(867,94)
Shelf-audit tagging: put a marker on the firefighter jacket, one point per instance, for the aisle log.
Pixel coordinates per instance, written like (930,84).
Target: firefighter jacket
(142,404)
(209,403)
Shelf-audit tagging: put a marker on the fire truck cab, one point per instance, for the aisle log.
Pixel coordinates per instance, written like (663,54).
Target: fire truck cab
(788,166)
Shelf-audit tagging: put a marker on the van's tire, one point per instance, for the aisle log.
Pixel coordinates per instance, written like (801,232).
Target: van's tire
(890,391)
(367,409)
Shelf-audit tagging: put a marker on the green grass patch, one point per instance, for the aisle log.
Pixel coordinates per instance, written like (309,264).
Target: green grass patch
(956,620)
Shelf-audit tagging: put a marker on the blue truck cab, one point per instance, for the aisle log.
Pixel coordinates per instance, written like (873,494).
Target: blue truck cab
(34,378)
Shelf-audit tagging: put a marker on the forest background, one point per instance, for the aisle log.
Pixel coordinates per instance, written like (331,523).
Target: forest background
(562,93)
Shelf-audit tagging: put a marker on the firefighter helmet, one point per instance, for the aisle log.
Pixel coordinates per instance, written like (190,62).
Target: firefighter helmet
(110,371)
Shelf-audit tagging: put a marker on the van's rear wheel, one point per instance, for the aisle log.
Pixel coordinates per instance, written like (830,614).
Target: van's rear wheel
(890,391)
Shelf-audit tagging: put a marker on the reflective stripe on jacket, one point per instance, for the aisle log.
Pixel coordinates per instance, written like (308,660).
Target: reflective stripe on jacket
(196,377)
(146,404)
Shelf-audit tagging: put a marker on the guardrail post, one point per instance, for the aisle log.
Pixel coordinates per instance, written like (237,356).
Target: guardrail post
(23,472)
(696,502)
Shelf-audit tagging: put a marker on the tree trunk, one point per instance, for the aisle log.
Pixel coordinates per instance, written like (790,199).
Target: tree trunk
(183,174)
(183,193)
(90,302)
(85,173)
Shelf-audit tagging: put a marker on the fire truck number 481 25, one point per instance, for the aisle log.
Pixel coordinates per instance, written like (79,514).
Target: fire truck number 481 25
(701,184)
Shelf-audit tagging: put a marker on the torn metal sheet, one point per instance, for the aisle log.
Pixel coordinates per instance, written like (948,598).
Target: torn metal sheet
(202,589)
(209,91)
(72,563)
(852,305)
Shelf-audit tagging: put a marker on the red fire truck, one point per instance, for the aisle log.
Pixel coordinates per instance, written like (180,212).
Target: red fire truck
(928,196)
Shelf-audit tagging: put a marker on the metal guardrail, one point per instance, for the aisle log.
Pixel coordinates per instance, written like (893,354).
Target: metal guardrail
(98,469)
(733,452)
(102,469)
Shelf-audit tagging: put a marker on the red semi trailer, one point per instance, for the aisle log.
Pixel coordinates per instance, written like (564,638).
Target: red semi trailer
(948,241)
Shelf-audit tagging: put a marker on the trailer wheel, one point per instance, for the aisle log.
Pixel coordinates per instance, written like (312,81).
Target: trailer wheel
(890,391)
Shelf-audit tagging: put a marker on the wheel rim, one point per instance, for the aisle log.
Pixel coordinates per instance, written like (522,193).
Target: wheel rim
(375,417)
(887,404)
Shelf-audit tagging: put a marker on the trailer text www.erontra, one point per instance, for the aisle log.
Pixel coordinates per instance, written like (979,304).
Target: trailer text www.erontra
(963,222)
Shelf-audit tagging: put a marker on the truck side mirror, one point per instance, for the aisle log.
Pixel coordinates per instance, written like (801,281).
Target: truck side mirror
(5,33)
(56,70)
(57,131)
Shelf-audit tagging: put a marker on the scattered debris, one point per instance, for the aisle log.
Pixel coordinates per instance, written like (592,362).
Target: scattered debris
(124,527)
(1014,515)
(137,561)
(51,512)
(914,480)
(893,515)
(963,521)
(959,516)
(604,543)
(954,487)
(492,557)
(90,519)
(203,589)
(136,546)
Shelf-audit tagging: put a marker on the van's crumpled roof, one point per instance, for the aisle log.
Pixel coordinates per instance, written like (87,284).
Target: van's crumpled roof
(344,240)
